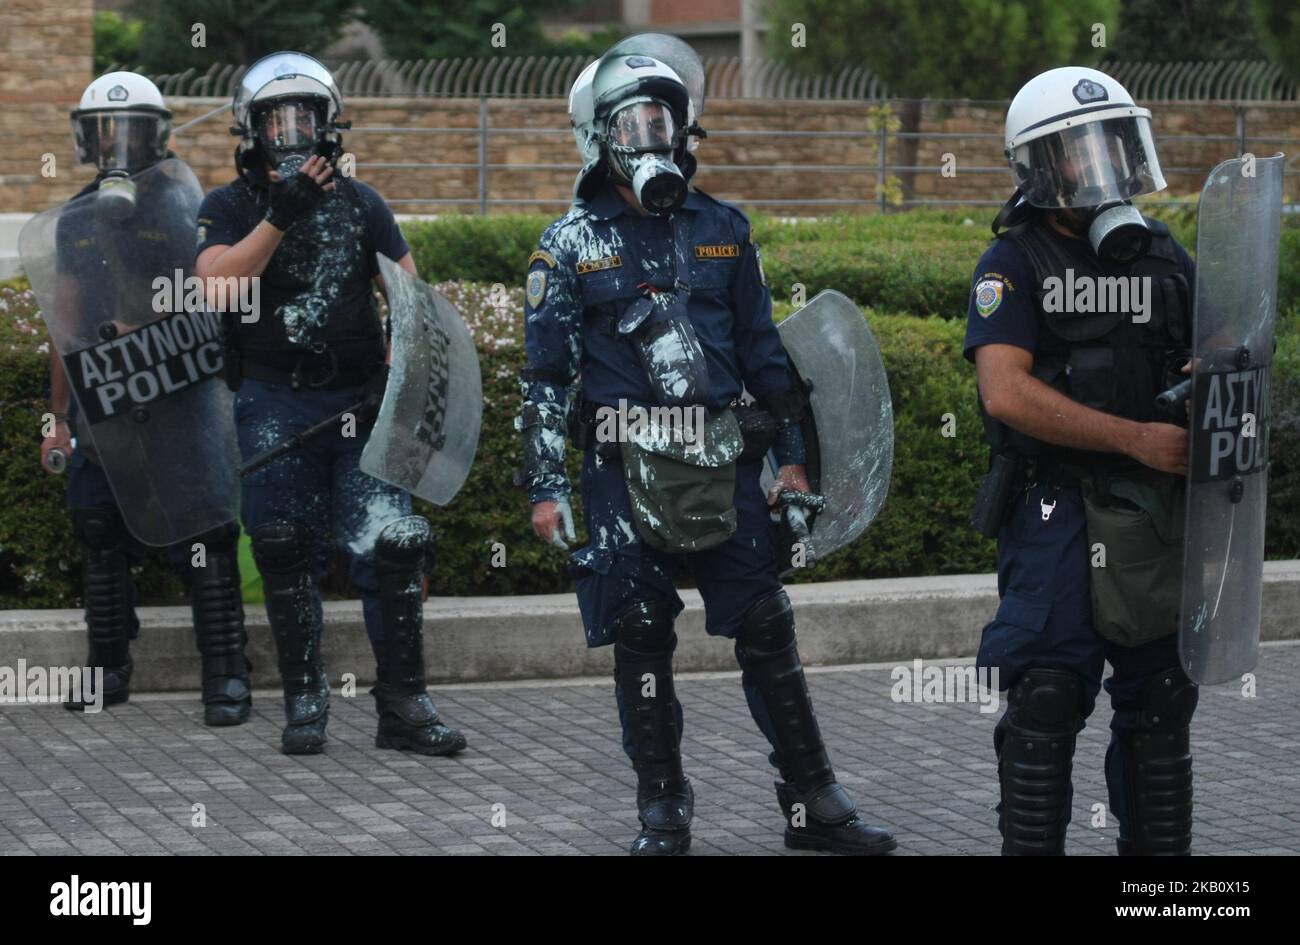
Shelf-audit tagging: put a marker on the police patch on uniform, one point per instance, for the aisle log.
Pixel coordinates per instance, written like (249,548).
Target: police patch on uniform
(535,290)
(988,296)
(595,265)
(722,251)
(544,256)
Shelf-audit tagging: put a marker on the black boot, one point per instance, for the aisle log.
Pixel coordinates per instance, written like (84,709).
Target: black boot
(819,814)
(643,670)
(283,552)
(1035,760)
(219,629)
(408,719)
(110,616)
(1158,766)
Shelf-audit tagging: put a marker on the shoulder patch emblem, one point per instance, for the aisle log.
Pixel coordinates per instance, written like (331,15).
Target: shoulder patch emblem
(988,296)
(544,256)
(535,289)
(596,265)
(722,251)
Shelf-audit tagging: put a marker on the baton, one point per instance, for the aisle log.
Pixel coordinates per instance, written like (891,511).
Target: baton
(795,507)
(295,441)
(1170,397)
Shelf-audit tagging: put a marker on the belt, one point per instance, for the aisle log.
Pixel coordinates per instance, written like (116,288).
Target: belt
(1050,472)
(328,376)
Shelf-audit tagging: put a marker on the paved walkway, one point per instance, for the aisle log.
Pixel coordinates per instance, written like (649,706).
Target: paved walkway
(545,758)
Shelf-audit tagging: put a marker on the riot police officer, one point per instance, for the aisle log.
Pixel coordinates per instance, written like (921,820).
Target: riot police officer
(1089,467)
(655,295)
(122,126)
(318,348)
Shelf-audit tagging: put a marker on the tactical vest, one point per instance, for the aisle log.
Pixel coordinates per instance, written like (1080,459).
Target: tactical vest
(1109,360)
(316,295)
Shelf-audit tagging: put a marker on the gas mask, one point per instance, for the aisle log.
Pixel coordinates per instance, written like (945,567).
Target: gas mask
(1117,232)
(641,139)
(115,197)
(289,128)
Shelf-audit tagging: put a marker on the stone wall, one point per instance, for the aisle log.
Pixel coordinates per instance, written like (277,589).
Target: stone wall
(48,62)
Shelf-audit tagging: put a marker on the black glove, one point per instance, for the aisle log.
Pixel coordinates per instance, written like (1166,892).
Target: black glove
(292,200)
(372,395)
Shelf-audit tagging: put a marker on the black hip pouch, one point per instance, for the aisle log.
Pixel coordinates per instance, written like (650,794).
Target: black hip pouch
(994,496)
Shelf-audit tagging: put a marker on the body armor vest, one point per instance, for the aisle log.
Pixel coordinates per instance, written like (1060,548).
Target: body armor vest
(1105,358)
(316,292)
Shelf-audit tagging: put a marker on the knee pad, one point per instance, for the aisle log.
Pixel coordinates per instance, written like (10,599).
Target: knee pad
(1035,761)
(1166,702)
(1159,767)
(768,625)
(282,547)
(404,545)
(645,627)
(1047,701)
(100,529)
(222,539)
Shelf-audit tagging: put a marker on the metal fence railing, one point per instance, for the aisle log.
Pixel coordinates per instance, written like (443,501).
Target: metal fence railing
(881,193)
(726,77)
(884,182)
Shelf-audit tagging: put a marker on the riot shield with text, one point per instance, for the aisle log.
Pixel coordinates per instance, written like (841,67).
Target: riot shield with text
(849,434)
(427,431)
(1238,224)
(113,272)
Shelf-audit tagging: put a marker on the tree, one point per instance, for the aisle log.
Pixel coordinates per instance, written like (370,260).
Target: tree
(233,31)
(1185,30)
(943,48)
(445,29)
(116,41)
(1278,22)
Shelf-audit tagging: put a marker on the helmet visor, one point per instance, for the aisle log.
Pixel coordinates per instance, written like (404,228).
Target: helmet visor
(121,139)
(1089,165)
(642,126)
(288,126)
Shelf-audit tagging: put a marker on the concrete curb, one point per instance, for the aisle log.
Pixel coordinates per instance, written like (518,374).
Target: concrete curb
(477,639)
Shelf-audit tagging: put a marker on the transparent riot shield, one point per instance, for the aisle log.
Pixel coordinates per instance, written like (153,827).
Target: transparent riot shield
(427,432)
(850,436)
(1238,225)
(113,272)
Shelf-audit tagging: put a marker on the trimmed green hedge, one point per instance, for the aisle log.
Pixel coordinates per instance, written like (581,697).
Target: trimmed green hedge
(919,262)
(922,529)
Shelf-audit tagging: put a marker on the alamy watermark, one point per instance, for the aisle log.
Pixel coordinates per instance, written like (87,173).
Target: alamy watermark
(658,426)
(959,683)
(33,685)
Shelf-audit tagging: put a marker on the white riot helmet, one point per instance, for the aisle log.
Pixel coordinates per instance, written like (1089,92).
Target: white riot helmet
(582,116)
(642,111)
(288,106)
(121,124)
(1075,140)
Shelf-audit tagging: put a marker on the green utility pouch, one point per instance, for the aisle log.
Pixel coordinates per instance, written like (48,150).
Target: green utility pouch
(683,495)
(1139,525)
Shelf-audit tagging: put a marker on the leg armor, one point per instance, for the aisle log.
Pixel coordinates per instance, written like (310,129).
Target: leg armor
(407,716)
(283,551)
(110,616)
(819,814)
(643,671)
(1158,773)
(1035,758)
(219,629)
